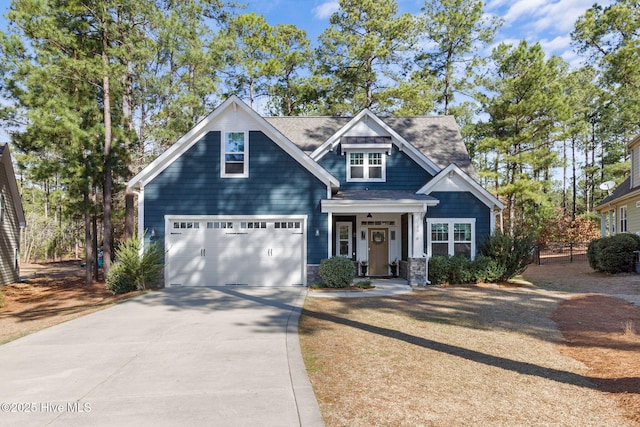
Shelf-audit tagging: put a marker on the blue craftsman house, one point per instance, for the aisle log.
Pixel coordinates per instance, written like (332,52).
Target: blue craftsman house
(246,199)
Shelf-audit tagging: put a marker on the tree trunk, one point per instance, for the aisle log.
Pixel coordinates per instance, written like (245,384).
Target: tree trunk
(88,244)
(108,172)
(96,252)
(574,183)
(129,219)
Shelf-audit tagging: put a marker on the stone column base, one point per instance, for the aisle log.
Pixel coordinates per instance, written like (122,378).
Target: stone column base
(417,271)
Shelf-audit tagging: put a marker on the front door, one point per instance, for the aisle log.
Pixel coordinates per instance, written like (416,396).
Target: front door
(378,251)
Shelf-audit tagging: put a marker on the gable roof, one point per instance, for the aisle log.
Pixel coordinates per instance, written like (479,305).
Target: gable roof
(452,178)
(199,130)
(5,157)
(436,137)
(620,193)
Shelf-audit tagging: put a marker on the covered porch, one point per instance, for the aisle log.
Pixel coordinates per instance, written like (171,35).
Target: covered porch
(381,231)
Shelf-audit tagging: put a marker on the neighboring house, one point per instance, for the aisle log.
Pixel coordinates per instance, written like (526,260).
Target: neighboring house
(620,211)
(245,199)
(11,220)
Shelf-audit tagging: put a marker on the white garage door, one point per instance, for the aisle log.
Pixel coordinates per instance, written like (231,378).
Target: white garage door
(248,251)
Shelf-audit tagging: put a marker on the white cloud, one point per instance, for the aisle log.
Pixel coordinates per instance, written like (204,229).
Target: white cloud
(326,9)
(557,45)
(519,8)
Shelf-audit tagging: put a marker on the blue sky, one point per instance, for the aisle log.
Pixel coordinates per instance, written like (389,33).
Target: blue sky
(549,22)
(546,21)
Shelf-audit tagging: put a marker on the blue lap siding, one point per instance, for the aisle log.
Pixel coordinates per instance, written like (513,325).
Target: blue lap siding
(403,173)
(277,185)
(462,205)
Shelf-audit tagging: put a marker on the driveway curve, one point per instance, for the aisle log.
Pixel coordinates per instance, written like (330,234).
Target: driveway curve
(180,356)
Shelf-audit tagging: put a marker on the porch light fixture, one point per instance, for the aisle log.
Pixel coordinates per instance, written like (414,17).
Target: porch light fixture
(369,215)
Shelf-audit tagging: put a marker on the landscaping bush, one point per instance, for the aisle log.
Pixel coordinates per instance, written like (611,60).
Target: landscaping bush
(487,269)
(613,254)
(512,253)
(118,281)
(132,270)
(337,272)
(593,253)
(438,269)
(363,284)
(461,270)
(457,270)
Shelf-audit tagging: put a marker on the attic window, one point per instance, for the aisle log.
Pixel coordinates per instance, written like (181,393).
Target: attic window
(366,166)
(235,155)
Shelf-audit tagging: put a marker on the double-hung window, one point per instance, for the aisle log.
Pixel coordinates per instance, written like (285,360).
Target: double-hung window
(366,166)
(623,219)
(235,155)
(451,237)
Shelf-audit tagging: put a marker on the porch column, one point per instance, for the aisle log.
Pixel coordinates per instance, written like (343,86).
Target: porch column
(603,225)
(418,235)
(417,274)
(611,223)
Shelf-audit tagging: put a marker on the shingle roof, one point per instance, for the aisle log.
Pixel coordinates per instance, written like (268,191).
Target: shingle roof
(437,137)
(389,195)
(620,191)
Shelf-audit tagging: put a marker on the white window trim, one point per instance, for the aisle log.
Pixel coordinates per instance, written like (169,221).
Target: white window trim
(337,231)
(451,222)
(223,145)
(624,216)
(365,165)
(3,207)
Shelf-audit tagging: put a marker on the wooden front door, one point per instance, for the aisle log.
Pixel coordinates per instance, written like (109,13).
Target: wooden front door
(378,251)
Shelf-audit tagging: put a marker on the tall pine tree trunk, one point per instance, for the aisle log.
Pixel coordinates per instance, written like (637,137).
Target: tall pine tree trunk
(108,171)
(88,247)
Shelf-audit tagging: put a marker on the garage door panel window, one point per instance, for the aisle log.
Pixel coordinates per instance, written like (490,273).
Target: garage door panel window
(219,224)
(452,237)
(186,225)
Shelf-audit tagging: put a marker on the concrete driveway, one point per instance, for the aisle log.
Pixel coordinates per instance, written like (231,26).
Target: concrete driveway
(225,356)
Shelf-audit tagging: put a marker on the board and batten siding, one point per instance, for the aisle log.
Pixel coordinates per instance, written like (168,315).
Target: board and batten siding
(277,185)
(9,234)
(403,173)
(461,204)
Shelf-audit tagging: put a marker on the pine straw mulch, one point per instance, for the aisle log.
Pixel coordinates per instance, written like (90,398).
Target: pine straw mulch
(562,352)
(52,293)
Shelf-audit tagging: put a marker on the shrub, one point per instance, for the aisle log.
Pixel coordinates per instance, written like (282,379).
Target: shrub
(132,270)
(438,269)
(593,253)
(457,270)
(363,284)
(613,254)
(460,270)
(512,253)
(487,269)
(337,272)
(118,281)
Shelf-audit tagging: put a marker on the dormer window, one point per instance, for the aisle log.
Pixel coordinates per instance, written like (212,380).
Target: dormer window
(366,157)
(235,155)
(366,166)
